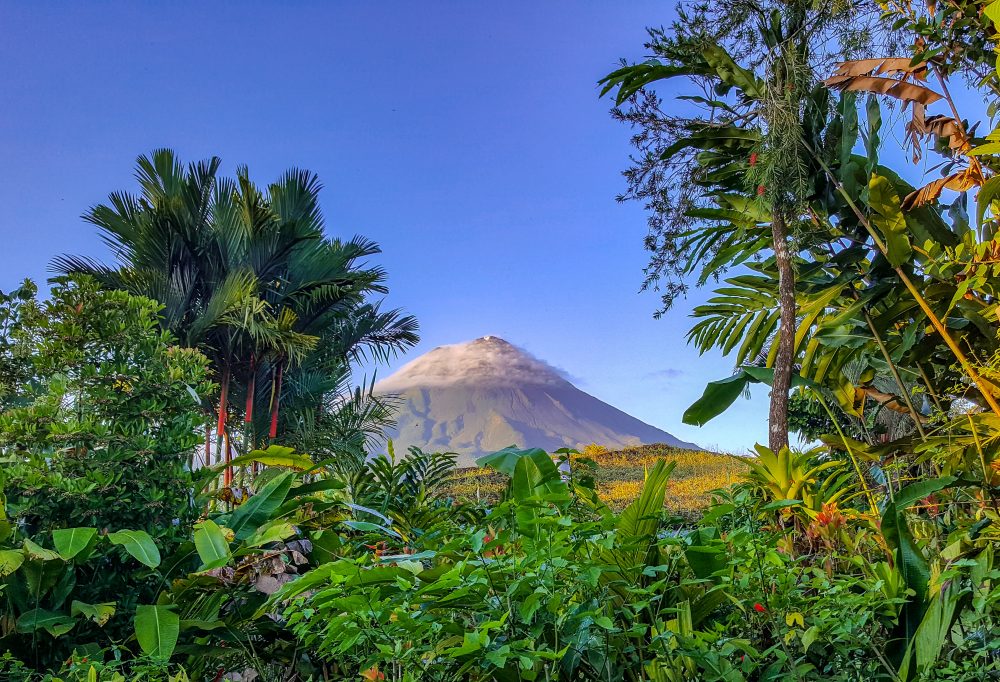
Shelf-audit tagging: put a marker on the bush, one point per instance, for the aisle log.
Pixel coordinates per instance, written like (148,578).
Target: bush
(100,419)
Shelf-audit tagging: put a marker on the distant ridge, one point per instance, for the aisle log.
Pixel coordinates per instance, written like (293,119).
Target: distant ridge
(479,396)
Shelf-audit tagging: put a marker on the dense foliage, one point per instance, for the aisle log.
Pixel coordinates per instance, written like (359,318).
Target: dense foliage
(248,276)
(127,552)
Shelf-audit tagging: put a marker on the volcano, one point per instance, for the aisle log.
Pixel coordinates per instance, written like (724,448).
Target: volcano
(480,396)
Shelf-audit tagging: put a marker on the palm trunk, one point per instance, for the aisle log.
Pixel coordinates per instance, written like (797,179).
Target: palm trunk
(220,428)
(777,416)
(275,400)
(227,477)
(248,411)
(208,444)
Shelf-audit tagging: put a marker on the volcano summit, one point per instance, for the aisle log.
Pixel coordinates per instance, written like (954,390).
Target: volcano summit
(483,395)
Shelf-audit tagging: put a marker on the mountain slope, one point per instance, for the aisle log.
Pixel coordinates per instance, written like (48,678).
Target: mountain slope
(480,396)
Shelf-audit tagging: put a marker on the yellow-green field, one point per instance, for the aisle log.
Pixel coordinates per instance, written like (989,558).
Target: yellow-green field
(619,476)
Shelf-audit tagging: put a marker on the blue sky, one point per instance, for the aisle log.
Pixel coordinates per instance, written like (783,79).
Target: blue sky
(467,138)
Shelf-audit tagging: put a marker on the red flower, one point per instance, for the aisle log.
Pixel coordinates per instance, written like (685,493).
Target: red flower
(372,674)
(760,190)
(759,608)
(753,159)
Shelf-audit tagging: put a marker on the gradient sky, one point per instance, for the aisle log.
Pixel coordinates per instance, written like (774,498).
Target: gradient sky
(466,138)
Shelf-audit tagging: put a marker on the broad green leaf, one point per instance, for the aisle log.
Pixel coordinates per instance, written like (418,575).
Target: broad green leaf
(275,456)
(157,629)
(716,399)
(604,623)
(888,219)
(70,542)
(532,471)
(55,624)
(274,531)
(923,222)
(317,487)
(528,481)
(38,552)
(706,554)
(99,613)
(719,395)
(10,561)
(505,460)
(257,510)
(917,491)
(41,576)
(932,633)
(848,108)
(731,138)
(211,544)
(138,544)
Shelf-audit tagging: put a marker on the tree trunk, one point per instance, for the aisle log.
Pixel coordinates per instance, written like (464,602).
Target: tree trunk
(275,401)
(777,416)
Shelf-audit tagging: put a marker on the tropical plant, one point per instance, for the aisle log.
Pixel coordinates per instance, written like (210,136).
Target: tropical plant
(745,168)
(249,276)
(102,426)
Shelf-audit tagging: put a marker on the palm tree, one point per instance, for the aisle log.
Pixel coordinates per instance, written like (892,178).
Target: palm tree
(734,182)
(249,277)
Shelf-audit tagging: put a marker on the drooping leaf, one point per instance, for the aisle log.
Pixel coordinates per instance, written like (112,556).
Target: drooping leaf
(705,552)
(870,75)
(35,551)
(910,561)
(716,399)
(630,79)
(719,395)
(138,544)
(99,613)
(368,527)
(935,628)
(56,624)
(211,544)
(321,485)
(959,182)
(732,74)
(157,629)
(41,576)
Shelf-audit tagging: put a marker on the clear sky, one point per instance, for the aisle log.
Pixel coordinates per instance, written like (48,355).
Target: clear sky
(467,138)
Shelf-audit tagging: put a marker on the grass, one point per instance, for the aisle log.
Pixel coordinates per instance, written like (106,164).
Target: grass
(619,475)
